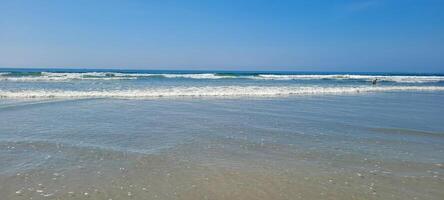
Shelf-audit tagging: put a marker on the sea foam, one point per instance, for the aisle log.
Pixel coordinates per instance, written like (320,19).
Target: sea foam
(210,91)
(59,76)
(400,79)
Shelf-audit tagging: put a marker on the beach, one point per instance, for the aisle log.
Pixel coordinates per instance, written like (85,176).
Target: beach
(208,135)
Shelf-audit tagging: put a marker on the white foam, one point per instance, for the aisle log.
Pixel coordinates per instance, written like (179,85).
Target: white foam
(58,76)
(400,79)
(50,76)
(195,76)
(210,91)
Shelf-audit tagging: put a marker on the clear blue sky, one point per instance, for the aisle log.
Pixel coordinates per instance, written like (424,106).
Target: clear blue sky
(315,35)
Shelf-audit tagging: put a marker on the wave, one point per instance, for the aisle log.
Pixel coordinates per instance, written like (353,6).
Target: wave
(53,76)
(210,91)
(399,78)
(59,76)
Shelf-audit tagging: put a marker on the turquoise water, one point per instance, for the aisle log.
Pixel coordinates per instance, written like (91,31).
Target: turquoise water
(207,135)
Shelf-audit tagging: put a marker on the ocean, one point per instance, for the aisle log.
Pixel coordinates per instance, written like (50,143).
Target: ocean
(157,134)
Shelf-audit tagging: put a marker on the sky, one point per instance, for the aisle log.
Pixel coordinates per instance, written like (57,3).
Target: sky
(314,35)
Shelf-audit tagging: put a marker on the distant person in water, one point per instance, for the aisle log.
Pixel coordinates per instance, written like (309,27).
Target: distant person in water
(375,81)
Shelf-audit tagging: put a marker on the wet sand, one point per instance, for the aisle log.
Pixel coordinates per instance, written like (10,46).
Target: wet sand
(210,171)
(303,148)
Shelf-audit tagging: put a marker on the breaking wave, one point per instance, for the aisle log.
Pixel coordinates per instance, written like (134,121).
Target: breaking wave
(210,91)
(400,79)
(59,76)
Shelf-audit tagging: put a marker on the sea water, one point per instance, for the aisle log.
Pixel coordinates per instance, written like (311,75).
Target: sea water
(116,134)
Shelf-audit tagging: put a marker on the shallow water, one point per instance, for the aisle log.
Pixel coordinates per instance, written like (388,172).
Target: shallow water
(206,136)
(365,146)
